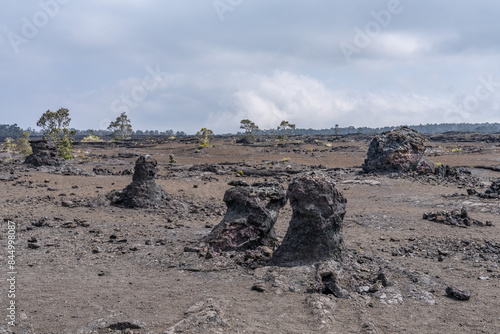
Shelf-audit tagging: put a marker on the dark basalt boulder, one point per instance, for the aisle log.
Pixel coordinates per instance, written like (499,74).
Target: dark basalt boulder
(44,154)
(143,192)
(249,222)
(315,231)
(398,150)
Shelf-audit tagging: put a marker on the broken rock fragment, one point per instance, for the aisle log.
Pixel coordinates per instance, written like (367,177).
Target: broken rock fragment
(249,221)
(315,231)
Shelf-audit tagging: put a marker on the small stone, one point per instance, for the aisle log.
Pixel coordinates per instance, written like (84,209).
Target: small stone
(134,248)
(483,278)
(259,287)
(364,288)
(68,204)
(457,294)
(33,246)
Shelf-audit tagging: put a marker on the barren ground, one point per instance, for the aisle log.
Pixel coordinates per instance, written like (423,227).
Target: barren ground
(105,269)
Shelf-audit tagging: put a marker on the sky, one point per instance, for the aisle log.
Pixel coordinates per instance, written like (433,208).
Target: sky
(188,64)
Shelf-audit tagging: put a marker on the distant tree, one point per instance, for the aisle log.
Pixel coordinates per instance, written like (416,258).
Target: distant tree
(285,128)
(204,141)
(121,127)
(7,130)
(55,126)
(249,126)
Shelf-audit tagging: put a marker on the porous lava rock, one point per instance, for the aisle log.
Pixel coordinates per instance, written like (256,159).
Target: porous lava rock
(45,153)
(315,230)
(143,192)
(252,211)
(397,150)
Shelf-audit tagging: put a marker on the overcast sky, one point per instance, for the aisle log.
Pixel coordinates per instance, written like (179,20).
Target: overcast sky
(188,64)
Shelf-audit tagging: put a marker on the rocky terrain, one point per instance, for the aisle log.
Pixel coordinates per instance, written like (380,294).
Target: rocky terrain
(321,234)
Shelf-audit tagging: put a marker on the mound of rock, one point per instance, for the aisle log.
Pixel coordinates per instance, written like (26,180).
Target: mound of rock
(456,218)
(44,154)
(402,151)
(398,150)
(143,192)
(315,230)
(251,214)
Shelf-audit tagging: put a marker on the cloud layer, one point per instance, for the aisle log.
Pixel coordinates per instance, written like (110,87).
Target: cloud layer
(186,65)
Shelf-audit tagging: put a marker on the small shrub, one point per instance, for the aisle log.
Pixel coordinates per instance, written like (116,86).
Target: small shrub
(92,139)
(65,148)
(23,144)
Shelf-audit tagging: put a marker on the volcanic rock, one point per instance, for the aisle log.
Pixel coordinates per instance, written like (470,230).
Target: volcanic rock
(143,192)
(249,221)
(398,150)
(492,192)
(456,218)
(44,154)
(315,231)
(455,293)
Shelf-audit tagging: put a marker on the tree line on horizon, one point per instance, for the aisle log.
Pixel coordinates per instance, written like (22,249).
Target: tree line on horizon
(14,131)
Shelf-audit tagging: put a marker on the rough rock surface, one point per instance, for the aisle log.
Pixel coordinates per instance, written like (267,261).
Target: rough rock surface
(44,154)
(249,221)
(455,293)
(456,218)
(143,192)
(492,192)
(398,150)
(205,316)
(315,231)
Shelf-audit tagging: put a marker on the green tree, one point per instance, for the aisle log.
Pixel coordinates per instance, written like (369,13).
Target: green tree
(204,133)
(249,126)
(55,126)
(121,126)
(285,128)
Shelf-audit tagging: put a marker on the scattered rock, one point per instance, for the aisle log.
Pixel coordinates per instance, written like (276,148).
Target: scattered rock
(492,192)
(455,218)
(457,294)
(315,230)
(249,221)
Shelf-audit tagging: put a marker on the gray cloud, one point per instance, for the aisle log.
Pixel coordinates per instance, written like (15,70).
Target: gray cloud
(266,60)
